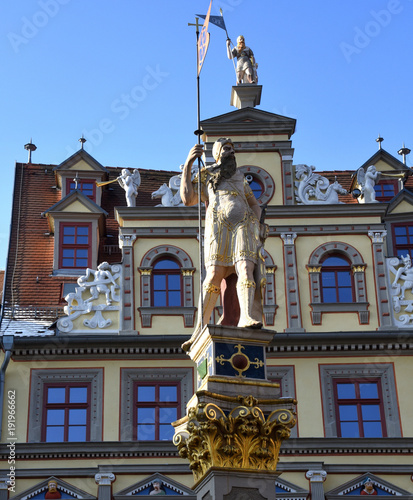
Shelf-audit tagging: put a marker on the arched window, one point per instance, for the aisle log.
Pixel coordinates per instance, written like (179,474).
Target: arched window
(336,280)
(166,283)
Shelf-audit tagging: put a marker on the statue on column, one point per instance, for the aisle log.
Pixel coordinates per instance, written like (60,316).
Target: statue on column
(246,65)
(234,235)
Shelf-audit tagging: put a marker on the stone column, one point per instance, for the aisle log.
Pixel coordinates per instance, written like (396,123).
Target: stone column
(316,478)
(104,480)
(288,178)
(382,291)
(291,284)
(4,485)
(127,316)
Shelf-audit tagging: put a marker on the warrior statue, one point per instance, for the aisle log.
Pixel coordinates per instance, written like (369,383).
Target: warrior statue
(233,233)
(246,65)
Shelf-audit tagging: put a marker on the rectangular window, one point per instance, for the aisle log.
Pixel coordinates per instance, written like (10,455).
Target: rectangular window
(403,239)
(75,245)
(359,408)
(386,190)
(66,413)
(86,186)
(156,406)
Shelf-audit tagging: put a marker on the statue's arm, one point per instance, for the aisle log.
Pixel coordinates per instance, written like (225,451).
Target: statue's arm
(229,53)
(188,194)
(253,203)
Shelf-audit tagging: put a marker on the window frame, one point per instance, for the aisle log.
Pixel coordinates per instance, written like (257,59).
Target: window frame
(40,377)
(359,402)
(166,272)
(262,177)
(75,246)
(358,266)
(82,181)
(385,199)
(129,376)
(367,371)
(157,404)
(147,310)
(409,246)
(335,270)
(66,406)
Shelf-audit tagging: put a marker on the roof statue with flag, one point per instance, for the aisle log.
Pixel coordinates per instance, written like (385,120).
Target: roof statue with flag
(203,41)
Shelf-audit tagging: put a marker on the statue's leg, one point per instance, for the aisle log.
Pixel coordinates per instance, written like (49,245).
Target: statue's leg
(246,293)
(211,291)
(250,75)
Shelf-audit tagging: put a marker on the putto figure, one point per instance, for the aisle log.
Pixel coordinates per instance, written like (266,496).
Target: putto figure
(246,65)
(130,183)
(367,181)
(233,233)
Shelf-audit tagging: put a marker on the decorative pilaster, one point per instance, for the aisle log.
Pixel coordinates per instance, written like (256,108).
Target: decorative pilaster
(288,177)
(294,321)
(382,291)
(105,480)
(127,317)
(316,478)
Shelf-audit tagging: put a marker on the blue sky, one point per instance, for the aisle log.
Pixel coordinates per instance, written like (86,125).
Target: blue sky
(123,73)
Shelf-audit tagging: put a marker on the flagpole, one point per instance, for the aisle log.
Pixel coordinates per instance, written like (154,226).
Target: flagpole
(199,132)
(228,38)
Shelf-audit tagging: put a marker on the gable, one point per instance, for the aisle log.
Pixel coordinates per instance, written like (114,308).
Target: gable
(384,161)
(289,491)
(81,160)
(143,488)
(65,490)
(76,201)
(357,485)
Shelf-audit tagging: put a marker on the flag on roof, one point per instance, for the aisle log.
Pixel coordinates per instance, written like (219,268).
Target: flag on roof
(203,41)
(217,20)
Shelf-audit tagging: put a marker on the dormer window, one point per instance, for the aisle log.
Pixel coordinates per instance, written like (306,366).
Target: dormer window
(86,186)
(386,190)
(75,246)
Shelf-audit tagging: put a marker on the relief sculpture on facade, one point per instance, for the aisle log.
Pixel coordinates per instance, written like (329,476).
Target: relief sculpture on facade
(87,299)
(313,189)
(401,280)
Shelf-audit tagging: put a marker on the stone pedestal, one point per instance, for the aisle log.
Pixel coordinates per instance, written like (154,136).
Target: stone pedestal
(246,95)
(236,421)
(238,485)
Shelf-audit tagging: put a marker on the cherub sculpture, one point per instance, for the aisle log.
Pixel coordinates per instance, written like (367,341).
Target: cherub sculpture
(367,180)
(130,183)
(406,274)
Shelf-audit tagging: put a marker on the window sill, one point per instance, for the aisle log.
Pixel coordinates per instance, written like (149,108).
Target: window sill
(317,309)
(147,313)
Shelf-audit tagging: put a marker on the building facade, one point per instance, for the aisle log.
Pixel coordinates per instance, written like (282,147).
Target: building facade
(100,296)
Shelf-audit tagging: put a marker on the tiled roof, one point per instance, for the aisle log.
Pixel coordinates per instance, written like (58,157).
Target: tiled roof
(26,328)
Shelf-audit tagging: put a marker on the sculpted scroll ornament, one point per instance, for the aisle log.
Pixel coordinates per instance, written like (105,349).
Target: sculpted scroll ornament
(243,439)
(313,189)
(402,282)
(86,298)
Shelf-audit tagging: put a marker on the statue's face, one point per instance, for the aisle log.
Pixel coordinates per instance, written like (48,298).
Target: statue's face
(369,486)
(227,150)
(241,43)
(52,487)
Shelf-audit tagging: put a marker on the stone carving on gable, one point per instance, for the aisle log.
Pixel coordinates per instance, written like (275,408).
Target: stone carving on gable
(401,280)
(313,189)
(170,195)
(92,288)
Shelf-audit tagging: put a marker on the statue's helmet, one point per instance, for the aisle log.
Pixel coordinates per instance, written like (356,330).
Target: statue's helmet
(218,145)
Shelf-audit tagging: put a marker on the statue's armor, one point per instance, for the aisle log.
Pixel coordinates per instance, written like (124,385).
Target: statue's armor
(231,227)
(243,58)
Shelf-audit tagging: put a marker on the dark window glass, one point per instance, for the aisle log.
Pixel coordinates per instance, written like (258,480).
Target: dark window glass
(386,190)
(403,239)
(75,246)
(86,186)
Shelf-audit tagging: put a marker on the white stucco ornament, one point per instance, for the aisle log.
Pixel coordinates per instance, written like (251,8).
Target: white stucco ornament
(170,195)
(96,292)
(400,274)
(367,180)
(313,189)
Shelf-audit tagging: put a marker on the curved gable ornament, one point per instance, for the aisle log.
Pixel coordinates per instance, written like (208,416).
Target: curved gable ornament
(313,189)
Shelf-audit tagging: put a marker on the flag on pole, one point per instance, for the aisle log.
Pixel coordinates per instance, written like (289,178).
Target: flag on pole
(217,20)
(203,41)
